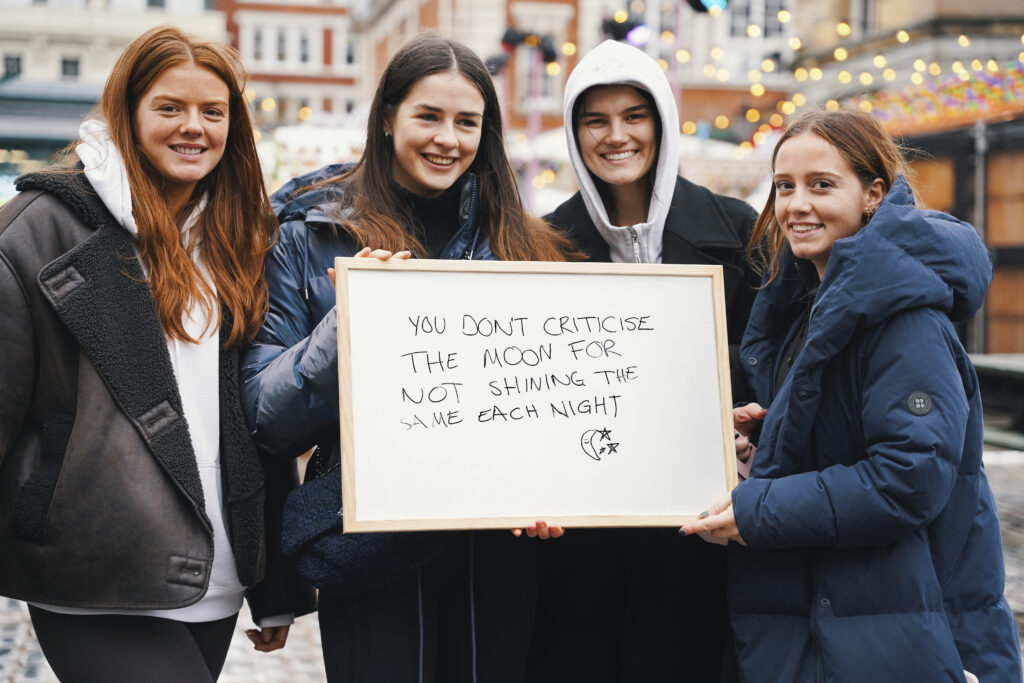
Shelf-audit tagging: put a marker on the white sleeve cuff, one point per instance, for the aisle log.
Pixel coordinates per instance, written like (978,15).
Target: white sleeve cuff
(276,620)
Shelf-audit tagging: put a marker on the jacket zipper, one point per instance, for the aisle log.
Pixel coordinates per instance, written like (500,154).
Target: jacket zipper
(636,245)
(469,221)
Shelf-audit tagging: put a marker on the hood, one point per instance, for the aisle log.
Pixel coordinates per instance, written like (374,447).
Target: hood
(106,171)
(609,63)
(906,258)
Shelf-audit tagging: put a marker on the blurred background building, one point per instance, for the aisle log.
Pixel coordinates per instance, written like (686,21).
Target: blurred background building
(946,76)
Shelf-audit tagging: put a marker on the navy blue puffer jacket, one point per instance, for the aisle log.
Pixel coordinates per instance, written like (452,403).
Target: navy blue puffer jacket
(874,548)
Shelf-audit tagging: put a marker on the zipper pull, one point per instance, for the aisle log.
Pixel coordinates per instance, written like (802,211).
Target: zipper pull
(636,245)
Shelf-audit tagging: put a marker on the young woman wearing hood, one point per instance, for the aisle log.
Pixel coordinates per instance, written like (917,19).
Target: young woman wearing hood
(628,610)
(866,543)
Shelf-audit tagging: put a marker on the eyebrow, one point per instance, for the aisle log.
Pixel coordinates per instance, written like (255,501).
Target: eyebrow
(828,174)
(439,110)
(176,98)
(627,110)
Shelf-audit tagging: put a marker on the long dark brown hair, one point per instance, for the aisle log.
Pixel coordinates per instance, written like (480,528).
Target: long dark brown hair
(860,139)
(238,226)
(376,214)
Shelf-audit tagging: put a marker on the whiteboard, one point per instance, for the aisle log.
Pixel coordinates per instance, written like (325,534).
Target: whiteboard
(493,394)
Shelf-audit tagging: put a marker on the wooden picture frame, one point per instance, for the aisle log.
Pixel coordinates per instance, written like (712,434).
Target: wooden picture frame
(486,394)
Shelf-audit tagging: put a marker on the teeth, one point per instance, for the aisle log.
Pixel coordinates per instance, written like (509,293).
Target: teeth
(803,228)
(188,150)
(617,156)
(440,161)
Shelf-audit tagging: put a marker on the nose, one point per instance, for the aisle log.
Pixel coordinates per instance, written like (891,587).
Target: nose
(617,132)
(445,136)
(192,123)
(800,201)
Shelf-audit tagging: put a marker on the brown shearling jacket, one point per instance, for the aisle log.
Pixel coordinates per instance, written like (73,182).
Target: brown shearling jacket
(101,504)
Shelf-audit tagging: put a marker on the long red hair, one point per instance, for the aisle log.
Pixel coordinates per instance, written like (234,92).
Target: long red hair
(238,226)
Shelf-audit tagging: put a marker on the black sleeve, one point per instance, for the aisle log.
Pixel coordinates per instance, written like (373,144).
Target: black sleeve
(282,590)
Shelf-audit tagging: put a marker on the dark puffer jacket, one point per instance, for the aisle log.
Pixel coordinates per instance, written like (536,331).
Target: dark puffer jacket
(101,504)
(874,549)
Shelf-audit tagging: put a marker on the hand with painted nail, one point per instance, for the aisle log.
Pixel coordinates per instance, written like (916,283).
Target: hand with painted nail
(269,638)
(540,530)
(717,524)
(746,419)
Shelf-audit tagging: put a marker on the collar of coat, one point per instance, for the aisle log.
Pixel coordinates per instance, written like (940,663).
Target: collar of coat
(98,289)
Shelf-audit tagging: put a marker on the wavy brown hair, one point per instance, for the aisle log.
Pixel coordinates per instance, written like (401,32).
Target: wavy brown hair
(860,139)
(238,226)
(377,215)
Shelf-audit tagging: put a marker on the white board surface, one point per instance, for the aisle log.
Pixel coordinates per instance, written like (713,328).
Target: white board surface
(491,395)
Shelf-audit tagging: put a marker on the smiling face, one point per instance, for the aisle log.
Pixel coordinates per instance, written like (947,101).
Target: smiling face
(818,197)
(181,126)
(436,132)
(617,134)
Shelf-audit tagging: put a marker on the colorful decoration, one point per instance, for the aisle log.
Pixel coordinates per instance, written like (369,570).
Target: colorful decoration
(950,101)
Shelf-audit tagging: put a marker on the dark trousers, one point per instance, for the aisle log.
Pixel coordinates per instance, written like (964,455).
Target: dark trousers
(452,622)
(625,605)
(107,648)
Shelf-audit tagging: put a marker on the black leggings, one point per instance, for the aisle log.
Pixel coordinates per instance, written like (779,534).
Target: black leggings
(113,647)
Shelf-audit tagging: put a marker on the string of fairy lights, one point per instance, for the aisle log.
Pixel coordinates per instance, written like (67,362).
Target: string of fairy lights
(932,91)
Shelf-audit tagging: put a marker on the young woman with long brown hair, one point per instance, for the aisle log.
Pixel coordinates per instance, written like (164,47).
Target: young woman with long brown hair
(434,180)
(131,496)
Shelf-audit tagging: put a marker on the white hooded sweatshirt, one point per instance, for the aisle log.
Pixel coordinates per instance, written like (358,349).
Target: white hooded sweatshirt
(612,63)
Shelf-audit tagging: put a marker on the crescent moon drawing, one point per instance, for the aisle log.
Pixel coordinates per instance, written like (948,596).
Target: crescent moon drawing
(587,443)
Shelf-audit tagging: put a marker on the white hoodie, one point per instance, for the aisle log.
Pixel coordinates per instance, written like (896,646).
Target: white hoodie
(197,373)
(610,63)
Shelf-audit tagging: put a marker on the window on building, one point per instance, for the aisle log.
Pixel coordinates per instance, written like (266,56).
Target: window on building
(304,46)
(160,4)
(740,15)
(12,66)
(210,5)
(282,45)
(350,53)
(772,25)
(257,44)
(350,105)
(69,68)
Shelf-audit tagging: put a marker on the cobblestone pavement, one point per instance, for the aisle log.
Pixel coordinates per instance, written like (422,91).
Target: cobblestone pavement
(300,662)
